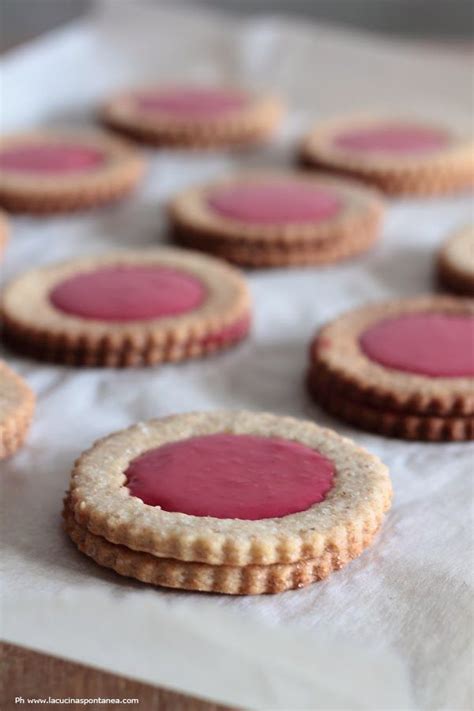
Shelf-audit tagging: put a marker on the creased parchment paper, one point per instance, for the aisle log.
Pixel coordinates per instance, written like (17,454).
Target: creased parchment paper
(393,629)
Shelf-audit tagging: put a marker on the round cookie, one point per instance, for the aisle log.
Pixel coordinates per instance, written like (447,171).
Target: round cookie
(455,263)
(16,410)
(403,368)
(269,219)
(193,116)
(54,172)
(270,503)
(126,308)
(399,156)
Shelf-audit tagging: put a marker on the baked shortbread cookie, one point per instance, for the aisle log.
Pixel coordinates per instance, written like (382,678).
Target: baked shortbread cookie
(193,116)
(49,172)
(16,410)
(267,219)
(233,502)
(400,156)
(456,262)
(403,368)
(126,308)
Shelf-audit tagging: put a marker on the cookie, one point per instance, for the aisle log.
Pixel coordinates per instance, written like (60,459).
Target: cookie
(16,410)
(270,219)
(193,116)
(54,172)
(233,502)
(403,367)
(399,156)
(3,233)
(455,265)
(126,308)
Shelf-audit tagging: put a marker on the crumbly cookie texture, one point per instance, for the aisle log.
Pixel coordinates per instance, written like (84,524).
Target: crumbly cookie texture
(16,410)
(390,423)
(349,515)
(21,191)
(245,126)
(446,170)
(337,358)
(34,326)
(228,579)
(4,233)
(455,263)
(352,230)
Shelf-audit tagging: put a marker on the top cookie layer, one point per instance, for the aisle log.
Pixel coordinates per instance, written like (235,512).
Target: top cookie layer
(100,500)
(363,351)
(401,155)
(65,169)
(148,304)
(193,115)
(16,408)
(271,209)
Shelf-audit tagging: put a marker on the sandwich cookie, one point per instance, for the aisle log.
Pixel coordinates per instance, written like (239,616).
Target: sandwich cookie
(403,368)
(278,219)
(399,156)
(16,410)
(230,502)
(126,308)
(455,263)
(193,116)
(57,172)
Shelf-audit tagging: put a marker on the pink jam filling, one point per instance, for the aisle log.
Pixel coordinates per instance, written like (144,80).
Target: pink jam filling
(275,203)
(231,476)
(437,345)
(128,293)
(51,158)
(192,102)
(392,138)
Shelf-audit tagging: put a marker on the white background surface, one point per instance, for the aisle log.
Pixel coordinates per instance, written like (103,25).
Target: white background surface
(393,629)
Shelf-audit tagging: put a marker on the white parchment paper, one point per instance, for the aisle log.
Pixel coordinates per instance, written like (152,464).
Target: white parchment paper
(393,629)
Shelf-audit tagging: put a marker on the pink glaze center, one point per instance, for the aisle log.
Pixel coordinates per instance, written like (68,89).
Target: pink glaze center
(275,203)
(436,345)
(128,293)
(393,138)
(192,102)
(231,476)
(51,158)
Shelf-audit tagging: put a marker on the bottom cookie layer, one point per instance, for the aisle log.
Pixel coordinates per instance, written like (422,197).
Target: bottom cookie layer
(56,349)
(252,255)
(388,422)
(228,579)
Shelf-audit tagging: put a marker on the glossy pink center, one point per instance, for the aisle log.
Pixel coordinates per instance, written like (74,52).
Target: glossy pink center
(128,293)
(275,203)
(231,476)
(436,345)
(51,158)
(192,102)
(392,139)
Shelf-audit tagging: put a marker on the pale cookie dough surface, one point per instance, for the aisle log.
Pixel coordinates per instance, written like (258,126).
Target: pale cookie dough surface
(99,500)
(16,409)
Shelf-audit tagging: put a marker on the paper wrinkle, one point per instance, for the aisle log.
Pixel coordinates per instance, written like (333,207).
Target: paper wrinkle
(405,605)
